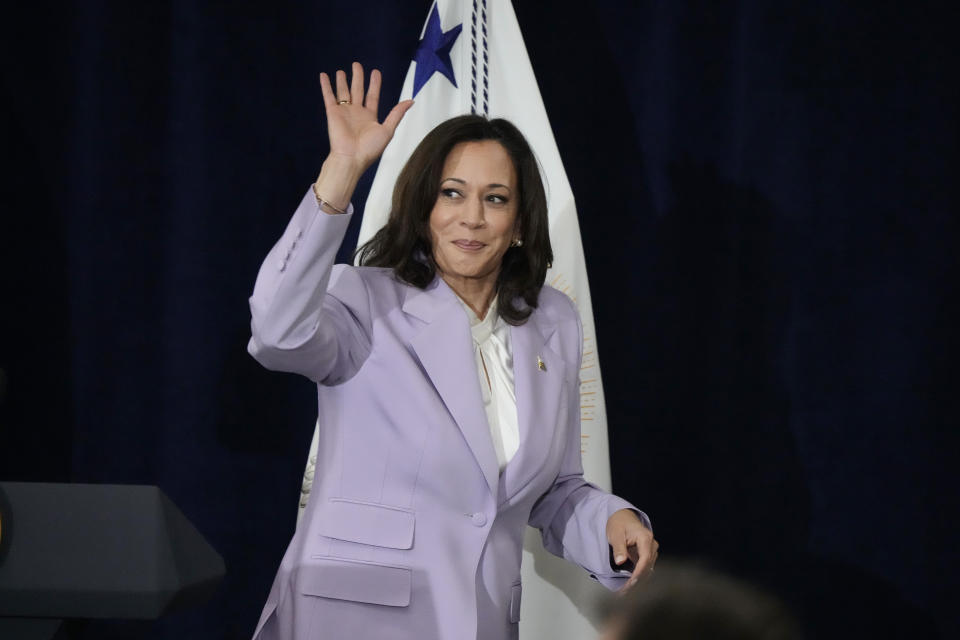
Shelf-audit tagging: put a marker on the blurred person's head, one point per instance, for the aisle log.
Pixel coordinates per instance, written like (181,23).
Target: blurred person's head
(685,603)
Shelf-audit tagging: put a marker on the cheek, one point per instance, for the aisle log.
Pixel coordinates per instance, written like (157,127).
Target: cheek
(509,228)
(440,221)
(435,230)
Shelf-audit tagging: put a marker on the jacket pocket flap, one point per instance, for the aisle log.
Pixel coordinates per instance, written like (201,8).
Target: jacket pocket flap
(356,581)
(367,523)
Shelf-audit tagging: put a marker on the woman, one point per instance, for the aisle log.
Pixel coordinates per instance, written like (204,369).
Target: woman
(448,391)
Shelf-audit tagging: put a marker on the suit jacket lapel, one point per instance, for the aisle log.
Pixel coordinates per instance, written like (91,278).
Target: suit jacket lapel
(538,392)
(444,347)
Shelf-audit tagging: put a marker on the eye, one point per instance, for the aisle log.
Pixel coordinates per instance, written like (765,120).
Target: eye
(496,198)
(450,193)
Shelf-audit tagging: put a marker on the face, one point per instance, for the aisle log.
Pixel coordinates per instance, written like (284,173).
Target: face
(475,216)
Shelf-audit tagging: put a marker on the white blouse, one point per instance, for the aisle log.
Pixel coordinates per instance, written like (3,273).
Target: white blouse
(494,357)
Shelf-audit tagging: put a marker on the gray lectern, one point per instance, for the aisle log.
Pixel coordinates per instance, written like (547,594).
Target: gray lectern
(96,551)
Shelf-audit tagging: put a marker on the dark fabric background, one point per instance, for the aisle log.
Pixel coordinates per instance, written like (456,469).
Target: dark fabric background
(768,205)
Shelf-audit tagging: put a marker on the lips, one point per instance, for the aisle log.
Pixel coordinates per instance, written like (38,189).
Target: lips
(469,245)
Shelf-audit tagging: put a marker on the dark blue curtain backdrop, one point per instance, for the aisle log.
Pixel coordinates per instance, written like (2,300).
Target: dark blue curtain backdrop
(767,198)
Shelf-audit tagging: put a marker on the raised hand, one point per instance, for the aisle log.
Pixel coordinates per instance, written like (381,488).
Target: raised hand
(352,125)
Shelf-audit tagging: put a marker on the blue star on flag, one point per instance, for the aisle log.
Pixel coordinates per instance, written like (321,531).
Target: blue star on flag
(433,52)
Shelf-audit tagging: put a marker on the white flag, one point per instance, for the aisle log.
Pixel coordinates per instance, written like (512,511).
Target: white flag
(471,59)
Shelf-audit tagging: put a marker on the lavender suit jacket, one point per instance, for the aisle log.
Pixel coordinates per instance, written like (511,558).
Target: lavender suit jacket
(411,532)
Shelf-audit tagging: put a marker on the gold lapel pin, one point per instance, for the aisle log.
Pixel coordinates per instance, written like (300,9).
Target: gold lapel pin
(541,364)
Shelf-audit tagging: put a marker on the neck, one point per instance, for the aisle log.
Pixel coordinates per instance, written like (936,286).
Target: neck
(476,292)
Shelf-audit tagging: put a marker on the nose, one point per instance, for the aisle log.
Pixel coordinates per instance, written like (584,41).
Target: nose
(473,214)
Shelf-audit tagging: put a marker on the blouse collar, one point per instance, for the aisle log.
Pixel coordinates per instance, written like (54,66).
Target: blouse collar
(481,328)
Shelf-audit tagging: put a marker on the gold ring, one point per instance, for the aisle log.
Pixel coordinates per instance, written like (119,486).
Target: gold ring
(343,102)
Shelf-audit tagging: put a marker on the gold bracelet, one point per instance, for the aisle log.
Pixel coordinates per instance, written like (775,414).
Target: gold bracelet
(321,202)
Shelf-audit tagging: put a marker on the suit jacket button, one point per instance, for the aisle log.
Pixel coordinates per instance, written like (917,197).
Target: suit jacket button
(479,518)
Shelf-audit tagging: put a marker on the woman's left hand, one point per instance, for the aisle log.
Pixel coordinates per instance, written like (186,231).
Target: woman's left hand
(629,538)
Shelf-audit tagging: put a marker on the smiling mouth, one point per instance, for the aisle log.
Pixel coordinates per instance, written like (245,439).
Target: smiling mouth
(469,245)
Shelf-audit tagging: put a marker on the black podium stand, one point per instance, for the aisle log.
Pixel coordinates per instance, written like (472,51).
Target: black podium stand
(96,551)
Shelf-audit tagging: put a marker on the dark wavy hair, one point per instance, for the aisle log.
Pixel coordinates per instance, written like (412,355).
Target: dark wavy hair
(404,243)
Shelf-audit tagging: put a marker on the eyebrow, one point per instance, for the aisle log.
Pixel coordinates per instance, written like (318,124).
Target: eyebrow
(489,186)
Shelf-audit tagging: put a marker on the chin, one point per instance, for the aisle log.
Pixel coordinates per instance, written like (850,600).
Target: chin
(466,269)
(471,271)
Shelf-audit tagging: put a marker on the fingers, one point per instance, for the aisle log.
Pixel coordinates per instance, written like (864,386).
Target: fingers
(343,93)
(396,114)
(356,83)
(644,552)
(643,564)
(354,94)
(329,100)
(619,546)
(373,92)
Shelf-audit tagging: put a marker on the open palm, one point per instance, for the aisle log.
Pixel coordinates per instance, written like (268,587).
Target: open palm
(352,125)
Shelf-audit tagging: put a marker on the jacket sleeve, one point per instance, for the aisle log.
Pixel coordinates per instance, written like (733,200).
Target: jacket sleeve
(307,315)
(572,515)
